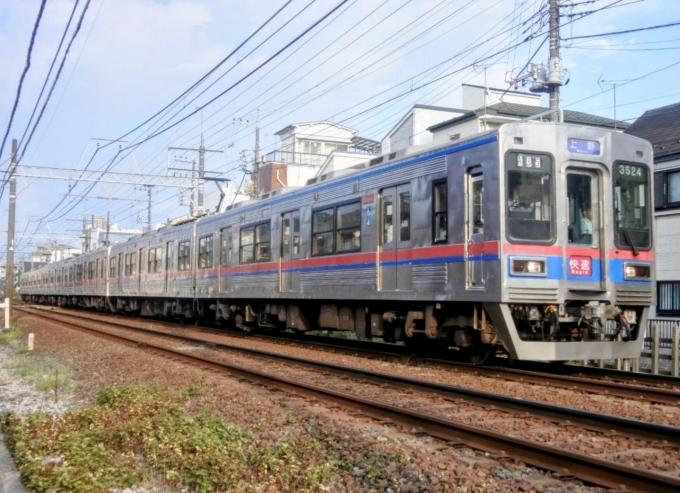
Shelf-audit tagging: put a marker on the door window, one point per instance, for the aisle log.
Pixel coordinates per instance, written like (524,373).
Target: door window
(580,209)
(388,219)
(405,216)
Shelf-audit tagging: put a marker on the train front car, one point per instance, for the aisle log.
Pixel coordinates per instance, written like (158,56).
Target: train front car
(577,256)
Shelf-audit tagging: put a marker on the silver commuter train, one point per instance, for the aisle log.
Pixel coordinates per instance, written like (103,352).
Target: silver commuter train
(529,238)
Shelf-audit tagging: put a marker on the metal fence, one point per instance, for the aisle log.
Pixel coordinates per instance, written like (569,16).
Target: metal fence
(660,353)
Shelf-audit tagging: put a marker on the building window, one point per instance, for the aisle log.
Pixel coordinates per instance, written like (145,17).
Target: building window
(205,252)
(336,229)
(667,189)
(184,255)
(668,293)
(440,233)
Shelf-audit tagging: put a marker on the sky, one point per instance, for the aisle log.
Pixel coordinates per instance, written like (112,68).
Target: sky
(360,63)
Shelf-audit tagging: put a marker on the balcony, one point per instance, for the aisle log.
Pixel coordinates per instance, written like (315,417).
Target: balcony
(297,158)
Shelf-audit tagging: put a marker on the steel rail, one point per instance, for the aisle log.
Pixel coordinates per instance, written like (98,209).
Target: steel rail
(598,422)
(533,376)
(590,469)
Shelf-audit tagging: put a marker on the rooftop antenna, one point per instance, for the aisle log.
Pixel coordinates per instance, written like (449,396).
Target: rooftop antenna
(612,83)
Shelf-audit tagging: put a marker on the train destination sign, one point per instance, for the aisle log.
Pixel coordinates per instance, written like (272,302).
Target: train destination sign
(581,146)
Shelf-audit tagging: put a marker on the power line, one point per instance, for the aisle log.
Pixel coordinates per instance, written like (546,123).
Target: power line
(615,33)
(23,75)
(49,72)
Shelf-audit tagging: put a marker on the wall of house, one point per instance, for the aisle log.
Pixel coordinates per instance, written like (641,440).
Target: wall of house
(473,97)
(465,129)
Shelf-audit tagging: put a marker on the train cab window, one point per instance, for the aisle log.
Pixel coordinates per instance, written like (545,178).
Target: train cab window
(205,252)
(184,255)
(348,223)
(580,209)
(440,232)
(631,206)
(322,232)
(529,191)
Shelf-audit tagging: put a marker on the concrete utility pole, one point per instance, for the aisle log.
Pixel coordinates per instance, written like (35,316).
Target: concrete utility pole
(9,269)
(555,62)
(548,79)
(201,175)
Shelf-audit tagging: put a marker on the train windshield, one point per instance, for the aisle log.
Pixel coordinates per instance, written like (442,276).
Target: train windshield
(529,197)
(631,206)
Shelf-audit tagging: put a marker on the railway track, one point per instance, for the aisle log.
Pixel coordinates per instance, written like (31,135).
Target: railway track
(587,467)
(663,390)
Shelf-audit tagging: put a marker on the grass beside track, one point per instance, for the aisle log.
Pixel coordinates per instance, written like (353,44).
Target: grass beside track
(135,434)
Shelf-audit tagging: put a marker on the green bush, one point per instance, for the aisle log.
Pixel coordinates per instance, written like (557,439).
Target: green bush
(135,433)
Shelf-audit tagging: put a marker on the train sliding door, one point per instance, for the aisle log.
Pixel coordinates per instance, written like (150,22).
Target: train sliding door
(290,251)
(395,251)
(226,254)
(584,266)
(474,229)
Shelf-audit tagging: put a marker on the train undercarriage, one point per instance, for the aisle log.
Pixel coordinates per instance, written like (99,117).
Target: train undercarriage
(467,331)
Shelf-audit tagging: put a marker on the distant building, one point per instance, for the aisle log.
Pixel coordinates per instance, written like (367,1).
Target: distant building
(412,129)
(53,253)
(96,236)
(306,147)
(661,127)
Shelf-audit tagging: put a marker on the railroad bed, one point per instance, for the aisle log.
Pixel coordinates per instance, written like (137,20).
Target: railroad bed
(550,437)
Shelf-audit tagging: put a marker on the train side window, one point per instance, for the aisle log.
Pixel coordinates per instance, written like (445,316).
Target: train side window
(112,267)
(322,232)
(348,225)
(183,255)
(247,245)
(205,252)
(141,260)
(151,267)
(159,259)
(262,242)
(440,232)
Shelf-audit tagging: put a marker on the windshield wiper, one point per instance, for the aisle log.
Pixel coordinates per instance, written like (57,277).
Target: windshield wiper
(632,243)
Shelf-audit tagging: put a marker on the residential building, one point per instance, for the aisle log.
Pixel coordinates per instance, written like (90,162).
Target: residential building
(495,115)
(661,127)
(306,147)
(412,129)
(96,236)
(53,253)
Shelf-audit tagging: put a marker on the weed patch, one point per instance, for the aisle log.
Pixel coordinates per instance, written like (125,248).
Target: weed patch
(136,433)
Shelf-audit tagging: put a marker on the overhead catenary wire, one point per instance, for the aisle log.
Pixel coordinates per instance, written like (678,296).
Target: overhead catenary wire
(27,66)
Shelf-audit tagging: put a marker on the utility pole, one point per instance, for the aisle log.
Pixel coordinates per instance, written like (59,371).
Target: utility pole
(256,162)
(555,62)
(201,175)
(548,79)
(613,83)
(108,227)
(148,211)
(9,269)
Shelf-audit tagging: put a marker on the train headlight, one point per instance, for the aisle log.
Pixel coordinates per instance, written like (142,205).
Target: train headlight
(528,267)
(636,271)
